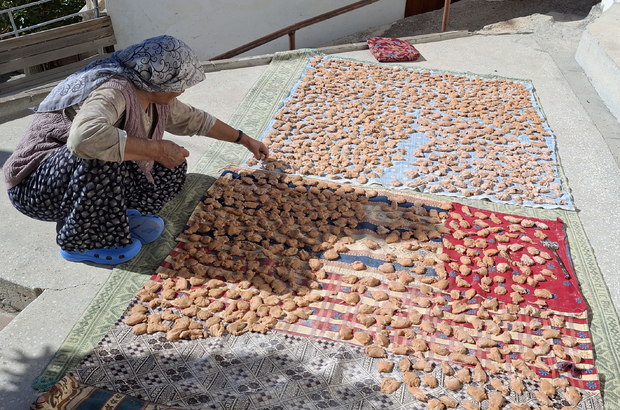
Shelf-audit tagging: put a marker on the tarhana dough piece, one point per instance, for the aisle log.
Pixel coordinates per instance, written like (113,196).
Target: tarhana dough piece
(449,401)
(411,379)
(480,375)
(404,365)
(446,369)
(331,254)
(499,386)
(424,365)
(464,375)
(387,268)
(435,404)
(379,295)
(572,396)
(217,329)
(418,393)
(516,384)
(237,328)
(384,366)
(140,328)
(396,286)
(378,352)
(452,383)
(369,281)
(351,298)
(362,337)
(469,405)
(430,381)
(496,400)
(382,338)
(389,385)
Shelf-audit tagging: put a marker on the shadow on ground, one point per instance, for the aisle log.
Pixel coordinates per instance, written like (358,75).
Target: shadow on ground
(473,15)
(16,390)
(4,155)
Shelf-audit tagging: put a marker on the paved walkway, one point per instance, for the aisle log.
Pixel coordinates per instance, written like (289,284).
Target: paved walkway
(543,53)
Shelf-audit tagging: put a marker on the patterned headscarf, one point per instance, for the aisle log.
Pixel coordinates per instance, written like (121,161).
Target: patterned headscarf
(158,64)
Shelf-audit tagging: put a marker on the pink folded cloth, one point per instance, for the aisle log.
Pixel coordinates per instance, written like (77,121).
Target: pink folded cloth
(392,49)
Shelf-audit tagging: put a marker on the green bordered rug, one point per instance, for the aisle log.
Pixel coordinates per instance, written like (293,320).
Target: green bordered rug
(254,115)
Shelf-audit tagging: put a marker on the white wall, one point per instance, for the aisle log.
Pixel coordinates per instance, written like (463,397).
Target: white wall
(606,4)
(212,27)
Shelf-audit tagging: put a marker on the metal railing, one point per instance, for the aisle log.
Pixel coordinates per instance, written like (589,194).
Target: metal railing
(17,31)
(446,15)
(290,30)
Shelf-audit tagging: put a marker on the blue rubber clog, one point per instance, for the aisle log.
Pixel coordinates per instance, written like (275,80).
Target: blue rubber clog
(105,256)
(145,228)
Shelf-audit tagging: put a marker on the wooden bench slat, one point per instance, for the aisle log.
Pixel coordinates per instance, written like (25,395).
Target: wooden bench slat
(84,44)
(37,53)
(53,34)
(51,45)
(46,77)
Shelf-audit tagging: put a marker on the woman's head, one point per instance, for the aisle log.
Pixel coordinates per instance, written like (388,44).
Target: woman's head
(160,64)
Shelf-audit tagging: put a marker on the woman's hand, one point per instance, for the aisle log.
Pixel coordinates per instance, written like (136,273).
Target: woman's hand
(224,132)
(257,148)
(170,154)
(166,152)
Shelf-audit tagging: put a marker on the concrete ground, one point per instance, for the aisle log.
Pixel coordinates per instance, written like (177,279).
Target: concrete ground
(539,48)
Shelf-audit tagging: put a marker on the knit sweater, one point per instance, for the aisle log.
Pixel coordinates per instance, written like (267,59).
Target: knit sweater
(46,132)
(50,130)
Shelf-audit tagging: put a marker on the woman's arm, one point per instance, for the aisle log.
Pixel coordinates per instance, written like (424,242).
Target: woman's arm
(166,152)
(187,120)
(224,132)
(94,133)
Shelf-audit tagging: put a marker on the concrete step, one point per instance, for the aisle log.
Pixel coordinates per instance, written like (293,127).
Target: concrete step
(30,340)
(599,56)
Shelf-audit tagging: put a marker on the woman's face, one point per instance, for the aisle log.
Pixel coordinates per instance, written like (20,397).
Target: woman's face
(163,98)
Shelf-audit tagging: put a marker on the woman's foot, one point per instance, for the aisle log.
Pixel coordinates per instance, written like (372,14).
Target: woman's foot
(145,228)
(105,256)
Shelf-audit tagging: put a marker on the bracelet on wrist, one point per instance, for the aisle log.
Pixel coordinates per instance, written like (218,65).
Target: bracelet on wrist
(238,140)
